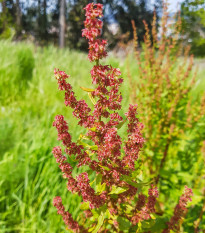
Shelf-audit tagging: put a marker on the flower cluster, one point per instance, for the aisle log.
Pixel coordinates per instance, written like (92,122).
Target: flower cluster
(144,209)
(179,210)
(81,184)
(67,218)
(110,162)
(71,147)
(93,27)
(88,193)
(111,158)
(81,109)
(135,139)
(108,81)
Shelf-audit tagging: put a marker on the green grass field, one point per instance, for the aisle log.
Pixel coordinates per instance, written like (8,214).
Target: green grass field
(29,98)
(30,177)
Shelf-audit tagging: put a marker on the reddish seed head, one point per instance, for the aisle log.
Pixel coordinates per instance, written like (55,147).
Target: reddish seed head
(179,210)
(109,160)
(93,27)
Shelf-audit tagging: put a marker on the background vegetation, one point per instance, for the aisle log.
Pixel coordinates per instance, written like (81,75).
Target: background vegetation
(60,22)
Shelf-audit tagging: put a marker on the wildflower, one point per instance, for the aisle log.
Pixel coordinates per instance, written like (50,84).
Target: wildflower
(179,210)
(110,164)
(110,157)
(145,209)
(93,27)
(88,193)
(67,218)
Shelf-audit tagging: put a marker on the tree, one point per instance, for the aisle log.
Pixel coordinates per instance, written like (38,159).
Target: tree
(138,11)
(62,24)
(18,18)
(115,11)
(193,25)
(42,27)
(46,20)
(7,21)
(3,16)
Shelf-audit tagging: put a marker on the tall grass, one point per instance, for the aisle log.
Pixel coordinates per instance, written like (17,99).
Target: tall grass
(29,102)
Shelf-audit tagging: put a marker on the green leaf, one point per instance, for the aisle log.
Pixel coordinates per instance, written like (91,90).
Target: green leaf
(133,183)
(114,164)
(100,223)
(124,224)
(83,144)
(95,147)
(106,168)
(93,129)
(160,224)
(91,183)
(164,94)
(91,229)
(121,124)
(181,108)
(87,89)
(84,137)
(85,206)
(91,98)
(118,190)
(100,187)
(98,179)
(196,199)
(148,224)
(127,208)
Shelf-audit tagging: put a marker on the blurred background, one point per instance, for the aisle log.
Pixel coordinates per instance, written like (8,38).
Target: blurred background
(37,36)
(60,22)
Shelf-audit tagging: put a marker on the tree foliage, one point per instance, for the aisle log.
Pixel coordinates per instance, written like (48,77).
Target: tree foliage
(193,24)
(40,20)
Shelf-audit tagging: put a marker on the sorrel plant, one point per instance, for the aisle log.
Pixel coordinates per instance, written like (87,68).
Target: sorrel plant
(172,113)
(114,195)
(163,90)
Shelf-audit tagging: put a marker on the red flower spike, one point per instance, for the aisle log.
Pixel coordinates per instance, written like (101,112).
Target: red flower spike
(93,27)
(179,210)
(109,160)
(67,218)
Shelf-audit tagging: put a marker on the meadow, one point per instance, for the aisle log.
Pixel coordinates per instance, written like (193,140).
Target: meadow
(30,100)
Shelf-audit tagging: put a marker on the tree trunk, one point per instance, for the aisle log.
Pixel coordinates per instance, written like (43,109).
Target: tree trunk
(45,21)
(62,24)
(39,8)
(4,10)
(39,19)
(18,18)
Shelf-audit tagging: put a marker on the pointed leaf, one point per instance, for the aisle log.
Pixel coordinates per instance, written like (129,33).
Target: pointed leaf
(95,147)
(93,129)
(100,223)
(106,168)
(118,190)
(133,183)
(87,89)
(121,124)
(91,98)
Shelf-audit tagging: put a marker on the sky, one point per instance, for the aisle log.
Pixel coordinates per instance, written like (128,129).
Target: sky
(172,4)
